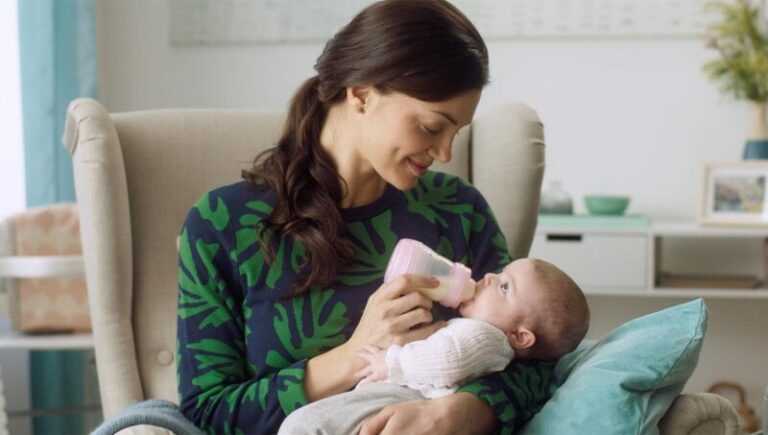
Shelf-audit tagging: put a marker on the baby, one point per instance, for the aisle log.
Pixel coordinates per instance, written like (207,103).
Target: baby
(532,310)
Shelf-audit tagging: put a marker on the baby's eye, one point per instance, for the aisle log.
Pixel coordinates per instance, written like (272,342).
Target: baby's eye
(504,286)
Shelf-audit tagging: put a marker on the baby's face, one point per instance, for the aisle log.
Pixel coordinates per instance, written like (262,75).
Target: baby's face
(505,299)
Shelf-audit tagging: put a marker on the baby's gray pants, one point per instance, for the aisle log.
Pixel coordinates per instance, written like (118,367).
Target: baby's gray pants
(345,413)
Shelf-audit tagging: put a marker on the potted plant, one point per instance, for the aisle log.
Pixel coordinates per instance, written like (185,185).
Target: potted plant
(741,39)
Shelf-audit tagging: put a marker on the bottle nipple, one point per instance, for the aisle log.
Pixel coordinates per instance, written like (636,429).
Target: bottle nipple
(469,290)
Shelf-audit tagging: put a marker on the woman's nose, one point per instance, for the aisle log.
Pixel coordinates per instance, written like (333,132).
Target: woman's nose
(441,150)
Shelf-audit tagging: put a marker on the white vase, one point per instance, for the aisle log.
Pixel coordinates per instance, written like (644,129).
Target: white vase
(555,200)
(758,130)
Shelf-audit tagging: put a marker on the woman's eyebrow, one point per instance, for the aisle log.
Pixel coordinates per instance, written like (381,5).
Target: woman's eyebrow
(447,116)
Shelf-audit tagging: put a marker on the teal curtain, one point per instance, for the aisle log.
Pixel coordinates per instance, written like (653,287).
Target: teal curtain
(58,63)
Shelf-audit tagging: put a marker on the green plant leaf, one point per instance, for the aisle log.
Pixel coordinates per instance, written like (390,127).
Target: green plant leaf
(291,395)
(310,340)
(219,217)
(250,257)
(202,297)
(741,40)
(219,364)
(435,196)
(370,262)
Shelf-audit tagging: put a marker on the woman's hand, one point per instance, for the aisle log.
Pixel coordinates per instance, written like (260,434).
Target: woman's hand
(396,313)
(460,413)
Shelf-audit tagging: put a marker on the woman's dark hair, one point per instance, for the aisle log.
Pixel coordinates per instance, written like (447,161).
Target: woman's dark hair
(426,49)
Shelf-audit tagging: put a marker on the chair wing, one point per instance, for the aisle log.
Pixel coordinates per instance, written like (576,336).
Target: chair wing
(136,176)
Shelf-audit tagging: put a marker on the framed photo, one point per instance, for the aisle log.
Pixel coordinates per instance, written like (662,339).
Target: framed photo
(734,193)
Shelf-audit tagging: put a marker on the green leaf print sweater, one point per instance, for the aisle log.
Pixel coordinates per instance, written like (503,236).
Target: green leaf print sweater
(242,346)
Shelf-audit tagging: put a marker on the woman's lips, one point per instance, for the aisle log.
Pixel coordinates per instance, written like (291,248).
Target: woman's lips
(417,168)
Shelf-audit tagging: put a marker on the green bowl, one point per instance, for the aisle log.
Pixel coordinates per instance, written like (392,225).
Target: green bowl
(606,204)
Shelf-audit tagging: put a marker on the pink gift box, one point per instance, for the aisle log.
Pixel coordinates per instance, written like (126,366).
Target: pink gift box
(50,304)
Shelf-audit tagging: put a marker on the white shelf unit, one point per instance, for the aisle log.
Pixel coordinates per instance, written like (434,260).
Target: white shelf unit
(17,340)
(11,340)
(627,261)
(41,266)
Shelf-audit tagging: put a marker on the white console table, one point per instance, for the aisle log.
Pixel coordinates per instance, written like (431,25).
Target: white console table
(627,260)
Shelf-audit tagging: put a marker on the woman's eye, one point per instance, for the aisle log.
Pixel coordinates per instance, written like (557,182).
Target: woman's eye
(504,286)
(430,130)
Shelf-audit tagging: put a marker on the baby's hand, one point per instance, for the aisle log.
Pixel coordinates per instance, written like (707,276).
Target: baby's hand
(377,369)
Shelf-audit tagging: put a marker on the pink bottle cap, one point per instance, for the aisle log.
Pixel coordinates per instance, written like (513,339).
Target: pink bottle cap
(403,258)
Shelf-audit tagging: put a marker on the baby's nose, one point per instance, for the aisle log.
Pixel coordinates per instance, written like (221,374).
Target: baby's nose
(487,279)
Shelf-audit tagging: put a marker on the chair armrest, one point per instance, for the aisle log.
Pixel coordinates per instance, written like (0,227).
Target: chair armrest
(41,266)
(700,414)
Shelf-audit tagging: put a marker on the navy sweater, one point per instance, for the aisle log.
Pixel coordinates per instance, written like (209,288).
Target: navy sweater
(242,345)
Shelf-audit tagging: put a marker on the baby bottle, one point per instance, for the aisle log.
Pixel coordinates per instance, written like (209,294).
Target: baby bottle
(411,256)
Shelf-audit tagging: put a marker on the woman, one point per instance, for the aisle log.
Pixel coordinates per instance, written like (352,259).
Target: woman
(281,274)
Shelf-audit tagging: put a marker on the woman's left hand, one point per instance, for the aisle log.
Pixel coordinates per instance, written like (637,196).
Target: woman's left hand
(460,413)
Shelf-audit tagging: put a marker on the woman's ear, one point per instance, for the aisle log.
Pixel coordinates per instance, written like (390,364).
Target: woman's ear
(521,338)
(358,96)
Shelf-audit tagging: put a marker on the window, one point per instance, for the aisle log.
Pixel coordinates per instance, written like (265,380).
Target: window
(11,135)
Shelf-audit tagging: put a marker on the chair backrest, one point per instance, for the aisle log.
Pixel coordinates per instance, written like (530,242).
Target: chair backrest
(137,174)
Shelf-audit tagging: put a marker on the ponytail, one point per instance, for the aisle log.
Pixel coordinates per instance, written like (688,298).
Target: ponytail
(308,188)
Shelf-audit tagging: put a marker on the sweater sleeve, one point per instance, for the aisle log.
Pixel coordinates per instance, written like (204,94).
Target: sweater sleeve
(463,350)
(217,386)
(520,391)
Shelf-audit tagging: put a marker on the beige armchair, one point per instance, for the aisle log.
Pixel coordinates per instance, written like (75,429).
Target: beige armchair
(137,174)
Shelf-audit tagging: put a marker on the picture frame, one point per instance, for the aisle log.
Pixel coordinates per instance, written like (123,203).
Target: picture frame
(734,193)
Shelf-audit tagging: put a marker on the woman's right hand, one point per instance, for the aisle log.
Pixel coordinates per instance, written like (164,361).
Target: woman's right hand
(396,313)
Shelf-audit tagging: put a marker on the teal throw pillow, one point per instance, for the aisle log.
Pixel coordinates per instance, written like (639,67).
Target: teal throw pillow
(624,383)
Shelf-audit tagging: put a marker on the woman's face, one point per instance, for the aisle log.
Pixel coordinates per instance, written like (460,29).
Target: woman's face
(402,136)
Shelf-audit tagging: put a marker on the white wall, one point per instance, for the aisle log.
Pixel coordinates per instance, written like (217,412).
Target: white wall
(14,363)
(618,112)
(622,115)
(139,69)
(631,116)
